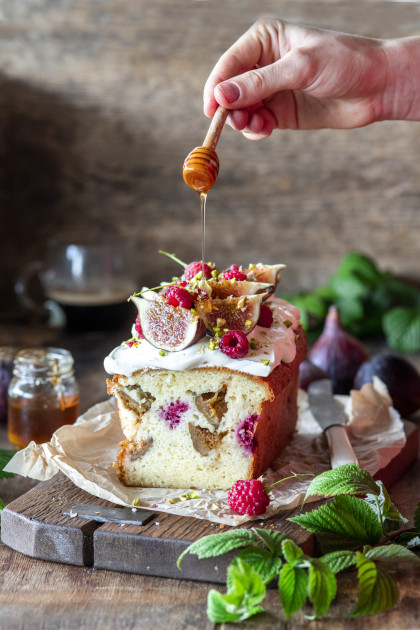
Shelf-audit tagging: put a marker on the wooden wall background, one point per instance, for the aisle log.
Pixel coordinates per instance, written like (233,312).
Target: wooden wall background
(101,100)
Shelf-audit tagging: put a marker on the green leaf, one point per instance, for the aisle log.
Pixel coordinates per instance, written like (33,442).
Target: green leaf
(349,287)
(218,544)
(291,551)
(339,560)
(402,328)
(346,479)
(417,518)
(391,553)
(293,583)
(411,540)
(262,561)
(351,310)
(378,591)
(243,600)
(5,457)
(384,509)
(361,265)
(272,539)
(345,523)
(322,586)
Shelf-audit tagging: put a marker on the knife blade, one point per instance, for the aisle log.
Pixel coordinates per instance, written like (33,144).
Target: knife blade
(331,418)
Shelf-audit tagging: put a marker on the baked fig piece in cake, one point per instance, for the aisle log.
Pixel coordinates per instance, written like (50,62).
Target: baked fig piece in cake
(214,411)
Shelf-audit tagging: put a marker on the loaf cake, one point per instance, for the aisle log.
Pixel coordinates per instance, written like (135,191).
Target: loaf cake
(199,417)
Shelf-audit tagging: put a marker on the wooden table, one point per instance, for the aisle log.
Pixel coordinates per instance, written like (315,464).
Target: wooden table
(38,594)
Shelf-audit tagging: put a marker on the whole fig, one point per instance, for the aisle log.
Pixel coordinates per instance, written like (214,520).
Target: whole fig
(400,377)
(308,372)
(337,353)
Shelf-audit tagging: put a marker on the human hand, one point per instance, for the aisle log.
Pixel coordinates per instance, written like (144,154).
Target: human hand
(287,76)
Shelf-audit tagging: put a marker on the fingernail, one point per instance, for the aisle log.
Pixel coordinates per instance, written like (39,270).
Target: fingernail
(230,91)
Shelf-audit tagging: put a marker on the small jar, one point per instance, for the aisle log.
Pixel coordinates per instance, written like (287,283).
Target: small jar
(7,355)
(43,395)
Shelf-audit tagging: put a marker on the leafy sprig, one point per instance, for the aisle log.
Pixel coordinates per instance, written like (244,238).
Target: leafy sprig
(355,530)
(370,301)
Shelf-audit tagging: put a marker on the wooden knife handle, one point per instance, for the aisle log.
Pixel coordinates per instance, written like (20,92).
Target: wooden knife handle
(341,450)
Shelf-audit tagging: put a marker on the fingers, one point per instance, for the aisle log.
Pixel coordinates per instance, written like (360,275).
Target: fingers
(254,124)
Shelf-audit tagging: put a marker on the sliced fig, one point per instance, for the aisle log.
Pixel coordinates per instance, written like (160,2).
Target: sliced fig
(203,440)
(223,288)
(265,273)
(212,405)
(233,313)
(170,328)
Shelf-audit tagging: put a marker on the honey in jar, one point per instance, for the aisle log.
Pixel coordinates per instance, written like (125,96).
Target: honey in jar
(43,395)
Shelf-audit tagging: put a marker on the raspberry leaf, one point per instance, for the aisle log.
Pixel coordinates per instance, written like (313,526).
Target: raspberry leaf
(272,539)
(245,593)
(218,544)
(293,582)
(291,551)
(345,523)
(262,561)
(378,591)
(346,479)
(387,513)
(391,553)
(339,560)
(322,586)
(402,328)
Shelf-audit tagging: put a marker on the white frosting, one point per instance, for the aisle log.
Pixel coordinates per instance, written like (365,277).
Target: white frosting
(276,344)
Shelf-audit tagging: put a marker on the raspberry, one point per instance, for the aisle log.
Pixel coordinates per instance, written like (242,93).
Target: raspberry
(138,329)
(266,316)
(234,344)
(172,413)
(233,273)
(194,268)
(248,497)
(178,296)
(245,433)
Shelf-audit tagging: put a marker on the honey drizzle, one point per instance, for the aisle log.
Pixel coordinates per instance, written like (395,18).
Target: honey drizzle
(204,284)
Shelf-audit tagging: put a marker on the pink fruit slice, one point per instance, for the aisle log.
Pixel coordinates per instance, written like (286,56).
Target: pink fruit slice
(232,313)
(170,328)
(224,288)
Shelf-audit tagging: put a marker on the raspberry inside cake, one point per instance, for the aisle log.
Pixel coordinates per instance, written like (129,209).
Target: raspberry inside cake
(200,417)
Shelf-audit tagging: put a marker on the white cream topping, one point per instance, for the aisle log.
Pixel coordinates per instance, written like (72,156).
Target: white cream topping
(275,344)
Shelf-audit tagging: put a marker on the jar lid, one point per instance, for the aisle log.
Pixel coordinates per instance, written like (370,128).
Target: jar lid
(43,361)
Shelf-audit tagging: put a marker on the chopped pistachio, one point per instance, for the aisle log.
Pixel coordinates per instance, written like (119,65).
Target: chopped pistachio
(254,343)
(265,362)
(163,353)
(194,495)
(287,323)
(136,501)
(248,322)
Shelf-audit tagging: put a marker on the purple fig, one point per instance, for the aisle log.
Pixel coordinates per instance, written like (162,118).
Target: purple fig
(338,353)
(400,377)
(309,372)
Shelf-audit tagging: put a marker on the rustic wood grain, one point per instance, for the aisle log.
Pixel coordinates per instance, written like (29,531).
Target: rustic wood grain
(101,102)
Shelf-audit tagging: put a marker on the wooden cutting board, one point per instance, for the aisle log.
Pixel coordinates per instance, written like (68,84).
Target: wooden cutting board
(35,525)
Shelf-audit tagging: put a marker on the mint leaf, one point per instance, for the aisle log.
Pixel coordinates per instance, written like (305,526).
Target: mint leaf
(291,551)
(348,287)
(243,599)
(5,457)
(346,479)
(378,591)
(322,586)
(339,560)
(218,544)
(293,582)
(391,553)
(402,328)
(351,310)
(272,539)
(261,561)
(345,523)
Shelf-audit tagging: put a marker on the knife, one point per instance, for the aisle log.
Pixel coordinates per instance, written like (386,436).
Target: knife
(330,416)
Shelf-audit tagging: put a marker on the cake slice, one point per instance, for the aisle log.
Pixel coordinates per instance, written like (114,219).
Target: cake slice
(200,417)
(205,427)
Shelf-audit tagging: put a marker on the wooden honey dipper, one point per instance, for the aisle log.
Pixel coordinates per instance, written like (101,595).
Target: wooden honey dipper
(201,166)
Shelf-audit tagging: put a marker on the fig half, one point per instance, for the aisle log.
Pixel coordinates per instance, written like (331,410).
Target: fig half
(221,289)
(232,313)
(264,273)
(170,328)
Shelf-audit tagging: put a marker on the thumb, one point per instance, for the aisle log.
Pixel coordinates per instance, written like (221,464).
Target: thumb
(244,90)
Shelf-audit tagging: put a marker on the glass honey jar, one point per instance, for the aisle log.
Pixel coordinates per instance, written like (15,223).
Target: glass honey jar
(43,395)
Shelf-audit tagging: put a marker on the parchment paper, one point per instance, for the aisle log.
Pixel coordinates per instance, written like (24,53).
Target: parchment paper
(85,452)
